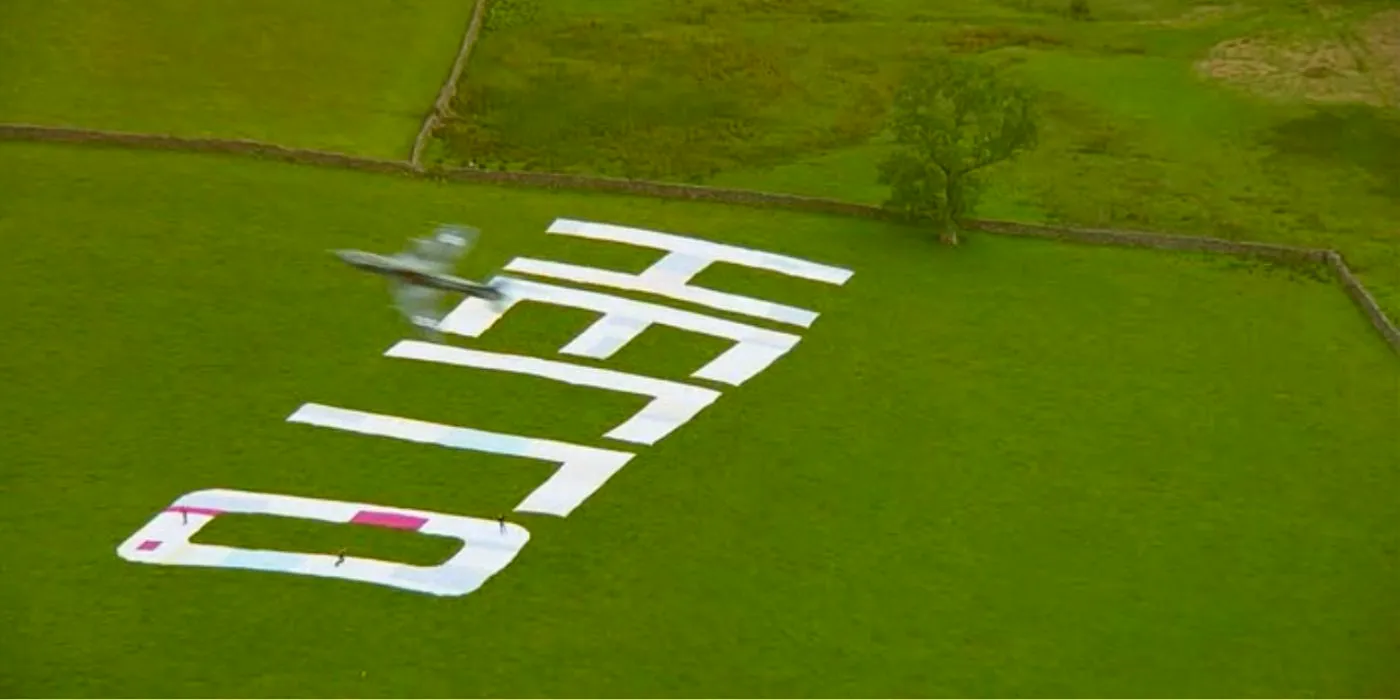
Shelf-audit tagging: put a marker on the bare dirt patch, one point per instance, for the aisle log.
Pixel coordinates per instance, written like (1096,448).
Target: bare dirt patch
(1363,67)
(1381,36)
(983,39)
(1200,15)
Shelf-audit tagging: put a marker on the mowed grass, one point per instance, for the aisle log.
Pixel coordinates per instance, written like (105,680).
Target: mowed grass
(356,76)
(1015,468)
(792,96)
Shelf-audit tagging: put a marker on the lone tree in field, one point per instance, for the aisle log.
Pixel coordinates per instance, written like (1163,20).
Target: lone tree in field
(952,119)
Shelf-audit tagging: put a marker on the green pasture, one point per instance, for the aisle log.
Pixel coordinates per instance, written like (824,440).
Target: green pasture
(791,95)
(1015,468)
(356,77)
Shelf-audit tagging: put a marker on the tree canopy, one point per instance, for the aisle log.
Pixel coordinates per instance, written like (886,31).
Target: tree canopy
(952,118)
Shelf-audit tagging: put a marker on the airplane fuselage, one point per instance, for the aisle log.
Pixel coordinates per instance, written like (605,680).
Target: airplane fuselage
(408,273)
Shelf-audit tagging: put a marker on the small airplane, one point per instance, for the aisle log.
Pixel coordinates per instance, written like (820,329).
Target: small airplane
(419,277)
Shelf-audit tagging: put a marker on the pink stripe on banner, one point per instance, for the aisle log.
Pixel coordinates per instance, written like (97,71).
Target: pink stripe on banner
(387,519)
(194,511)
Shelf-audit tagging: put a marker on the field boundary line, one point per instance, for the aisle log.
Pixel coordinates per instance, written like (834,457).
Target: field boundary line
(1332,259)
(443,105)
(1362,298)
(164,142)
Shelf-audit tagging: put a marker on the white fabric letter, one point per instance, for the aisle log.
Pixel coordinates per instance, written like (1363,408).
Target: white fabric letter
(672,406)
(623,320)
(487,548)
(685,258)
(582,469)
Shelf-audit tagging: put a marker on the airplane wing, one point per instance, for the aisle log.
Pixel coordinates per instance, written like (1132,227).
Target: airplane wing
(418,304)
(441,252)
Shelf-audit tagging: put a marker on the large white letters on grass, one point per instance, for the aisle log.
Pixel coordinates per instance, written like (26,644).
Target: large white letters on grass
(623,320)
(673,403)
(582,470)
(487,546)
(685,258)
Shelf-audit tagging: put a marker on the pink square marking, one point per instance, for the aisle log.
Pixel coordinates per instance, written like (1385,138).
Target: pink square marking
(148,545)
(387,519)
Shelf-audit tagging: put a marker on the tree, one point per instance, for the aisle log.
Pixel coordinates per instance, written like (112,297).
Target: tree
(952,118)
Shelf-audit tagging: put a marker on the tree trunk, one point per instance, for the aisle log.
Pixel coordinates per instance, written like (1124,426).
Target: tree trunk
(953,205)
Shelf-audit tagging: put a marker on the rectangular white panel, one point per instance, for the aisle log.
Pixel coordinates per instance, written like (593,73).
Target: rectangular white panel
(703,250)
(582,469)
(672,405)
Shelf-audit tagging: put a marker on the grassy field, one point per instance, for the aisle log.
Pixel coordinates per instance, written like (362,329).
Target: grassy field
(356,77)
(1018,468)
(791,95)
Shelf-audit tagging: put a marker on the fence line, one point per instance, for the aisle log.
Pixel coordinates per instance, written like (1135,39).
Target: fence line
(560,181)
(164,142)
(443,105)
(662,190)
(1160,241)
(1363,299)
